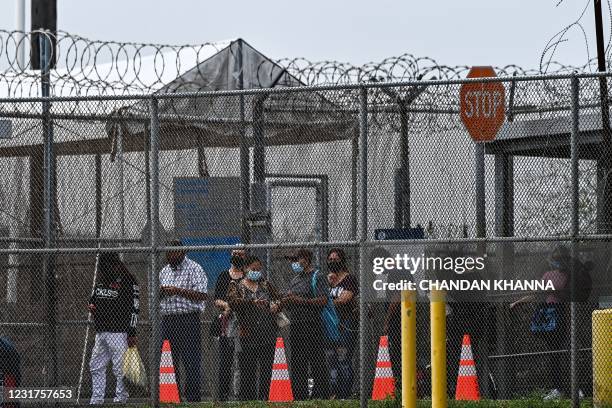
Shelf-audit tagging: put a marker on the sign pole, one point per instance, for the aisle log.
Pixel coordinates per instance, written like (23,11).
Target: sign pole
(439,397)
(409,366)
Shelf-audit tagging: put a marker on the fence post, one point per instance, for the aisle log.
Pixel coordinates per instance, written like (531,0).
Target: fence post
(154,341)
(363,233)
(481,232)
(574,234)
(121,176)
(49,208)
(481,220)
(409,348)
(437,306)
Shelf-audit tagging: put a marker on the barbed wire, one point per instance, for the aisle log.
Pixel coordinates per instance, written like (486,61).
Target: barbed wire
(118,66)
(92,67)
(87,67)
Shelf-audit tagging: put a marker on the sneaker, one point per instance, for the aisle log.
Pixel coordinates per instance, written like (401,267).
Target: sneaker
(553,395)
(580,394)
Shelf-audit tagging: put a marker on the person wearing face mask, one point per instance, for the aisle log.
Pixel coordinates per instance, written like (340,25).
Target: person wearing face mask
(307,339)
(555,305)
(224,328)
(256,303)
(344,290)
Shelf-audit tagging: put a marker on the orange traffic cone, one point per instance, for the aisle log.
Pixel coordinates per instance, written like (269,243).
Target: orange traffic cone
(467,380)
(10,382)
(168,390)
(280,386)
(384,383)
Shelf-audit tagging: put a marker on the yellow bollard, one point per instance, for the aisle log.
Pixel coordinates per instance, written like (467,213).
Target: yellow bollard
(409,369)
(602,358)
(438,349)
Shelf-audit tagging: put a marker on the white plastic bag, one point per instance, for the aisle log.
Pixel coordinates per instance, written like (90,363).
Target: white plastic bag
(133,367)
(282,320)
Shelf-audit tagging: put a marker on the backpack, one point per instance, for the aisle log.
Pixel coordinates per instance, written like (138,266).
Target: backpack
(329,315)
(545,319)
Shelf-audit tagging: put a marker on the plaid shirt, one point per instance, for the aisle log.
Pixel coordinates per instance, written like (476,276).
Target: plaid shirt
(187,275)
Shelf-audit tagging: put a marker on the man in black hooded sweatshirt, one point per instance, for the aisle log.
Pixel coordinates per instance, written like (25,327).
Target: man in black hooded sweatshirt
(114,306)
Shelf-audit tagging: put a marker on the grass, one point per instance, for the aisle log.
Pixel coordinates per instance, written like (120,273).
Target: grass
(520,403)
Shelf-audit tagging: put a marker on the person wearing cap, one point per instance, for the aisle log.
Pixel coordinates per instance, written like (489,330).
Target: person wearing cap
(183,292)
(307,340)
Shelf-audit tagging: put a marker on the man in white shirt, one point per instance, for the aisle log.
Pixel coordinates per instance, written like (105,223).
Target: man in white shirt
(183,293)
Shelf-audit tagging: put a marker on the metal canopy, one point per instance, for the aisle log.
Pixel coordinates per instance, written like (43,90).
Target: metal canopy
(177,137)
(219,121)
(548,138)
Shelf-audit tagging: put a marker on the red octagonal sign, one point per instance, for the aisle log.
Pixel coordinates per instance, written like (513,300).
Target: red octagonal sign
(483,105)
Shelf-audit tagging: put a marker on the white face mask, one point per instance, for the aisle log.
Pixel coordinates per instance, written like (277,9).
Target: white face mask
(254,276)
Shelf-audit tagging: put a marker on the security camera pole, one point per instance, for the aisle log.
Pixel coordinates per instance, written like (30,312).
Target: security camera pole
(604,225)
(44,24)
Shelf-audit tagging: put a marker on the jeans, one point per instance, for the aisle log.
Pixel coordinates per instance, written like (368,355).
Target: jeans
(184,333)
(308,343)
(558,367)
(340,360)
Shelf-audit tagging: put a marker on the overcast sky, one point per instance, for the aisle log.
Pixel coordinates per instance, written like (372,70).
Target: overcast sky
(464,32)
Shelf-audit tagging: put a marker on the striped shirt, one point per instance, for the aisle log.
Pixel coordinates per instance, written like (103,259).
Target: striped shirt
(187,275)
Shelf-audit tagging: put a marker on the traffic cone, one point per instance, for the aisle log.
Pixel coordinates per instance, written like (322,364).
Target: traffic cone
(168,390)
(384,383)
(467,380)
(280,385)
(9,382)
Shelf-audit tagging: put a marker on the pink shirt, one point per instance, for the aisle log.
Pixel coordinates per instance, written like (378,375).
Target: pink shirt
(559,281)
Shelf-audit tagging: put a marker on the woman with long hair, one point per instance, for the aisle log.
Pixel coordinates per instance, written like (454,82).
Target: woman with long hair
(344,290)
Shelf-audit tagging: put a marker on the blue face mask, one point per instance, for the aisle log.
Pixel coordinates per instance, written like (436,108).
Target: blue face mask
(297,267)
(254,275)
(555,264)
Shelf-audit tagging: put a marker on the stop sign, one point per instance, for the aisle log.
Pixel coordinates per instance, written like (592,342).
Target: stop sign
(482,105)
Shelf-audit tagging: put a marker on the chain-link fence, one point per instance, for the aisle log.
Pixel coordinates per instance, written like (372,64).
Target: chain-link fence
(101,198)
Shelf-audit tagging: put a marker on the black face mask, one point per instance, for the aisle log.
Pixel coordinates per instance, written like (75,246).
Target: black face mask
(335,266)
(237,261)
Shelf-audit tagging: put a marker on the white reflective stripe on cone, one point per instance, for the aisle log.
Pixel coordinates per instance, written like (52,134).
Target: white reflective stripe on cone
(383,354)
(279,356)
(466,352)
(167,378)
(467,370)
(166,359)
(280,374)
(383,372)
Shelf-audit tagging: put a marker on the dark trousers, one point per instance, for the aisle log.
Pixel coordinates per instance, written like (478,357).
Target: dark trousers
(184,333)
(395,354)
(340,359)
(256,355)
(226,363)
(308,345)
(559,364)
